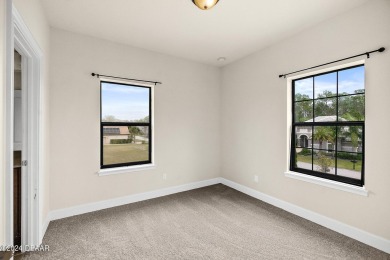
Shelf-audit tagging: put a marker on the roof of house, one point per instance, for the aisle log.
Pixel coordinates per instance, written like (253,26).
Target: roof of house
(115,130)
(326,119)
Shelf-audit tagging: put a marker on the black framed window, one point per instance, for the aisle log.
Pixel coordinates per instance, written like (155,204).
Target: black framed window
(125,126)
(328,116)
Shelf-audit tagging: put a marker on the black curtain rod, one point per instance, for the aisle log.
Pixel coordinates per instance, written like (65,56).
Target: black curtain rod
(139,80)
(382,49)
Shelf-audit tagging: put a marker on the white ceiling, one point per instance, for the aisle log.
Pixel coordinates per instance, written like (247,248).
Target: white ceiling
(232,29)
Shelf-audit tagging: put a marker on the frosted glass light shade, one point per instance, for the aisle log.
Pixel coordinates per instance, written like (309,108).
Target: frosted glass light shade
(205,4)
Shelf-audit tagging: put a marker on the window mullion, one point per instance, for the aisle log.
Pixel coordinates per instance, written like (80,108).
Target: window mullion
(312,128)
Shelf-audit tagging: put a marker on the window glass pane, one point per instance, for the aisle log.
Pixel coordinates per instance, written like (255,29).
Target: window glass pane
(304,89)
(124,103)
(324,137)
(325,85)
(325,110)
(351,81)
(303,158)
(350,139)
(125,144)
(349,165)
(324,161)
(303,136)
(351,108)
(304,111)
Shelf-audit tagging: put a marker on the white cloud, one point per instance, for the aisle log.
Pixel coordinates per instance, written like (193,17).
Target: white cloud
(123,89)
(126,111)
(350,86)
(304,87)
(321,86)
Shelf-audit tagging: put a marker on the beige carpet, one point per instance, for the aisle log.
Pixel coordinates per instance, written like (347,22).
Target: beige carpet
(216,222)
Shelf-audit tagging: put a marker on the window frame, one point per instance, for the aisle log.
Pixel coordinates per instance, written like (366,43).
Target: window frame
(149,124)
(337,123)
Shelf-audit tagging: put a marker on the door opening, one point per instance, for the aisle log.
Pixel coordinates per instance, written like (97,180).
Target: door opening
(18,149)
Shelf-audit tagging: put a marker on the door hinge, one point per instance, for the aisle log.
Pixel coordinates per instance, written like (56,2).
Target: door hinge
(24,163)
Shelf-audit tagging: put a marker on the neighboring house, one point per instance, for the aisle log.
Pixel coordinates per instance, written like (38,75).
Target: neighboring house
(114,132)
(305,137)
(122,133)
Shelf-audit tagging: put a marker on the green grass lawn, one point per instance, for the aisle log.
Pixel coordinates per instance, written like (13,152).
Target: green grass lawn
(341,163)
(124,153)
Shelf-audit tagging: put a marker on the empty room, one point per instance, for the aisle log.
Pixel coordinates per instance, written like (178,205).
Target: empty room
(194,129)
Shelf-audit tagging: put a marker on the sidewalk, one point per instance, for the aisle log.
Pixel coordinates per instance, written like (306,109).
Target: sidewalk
(341,172)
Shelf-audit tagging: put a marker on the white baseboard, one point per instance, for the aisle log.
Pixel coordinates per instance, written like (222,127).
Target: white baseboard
(347,230)
(86,208)
(45,225)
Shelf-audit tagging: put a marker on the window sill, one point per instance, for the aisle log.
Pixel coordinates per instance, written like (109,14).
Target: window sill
(127,169)
(328,183)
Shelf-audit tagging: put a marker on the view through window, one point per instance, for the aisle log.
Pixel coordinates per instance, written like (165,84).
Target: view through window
(125,125)
(328,125)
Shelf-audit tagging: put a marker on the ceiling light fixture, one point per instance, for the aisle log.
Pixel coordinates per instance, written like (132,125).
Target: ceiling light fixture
(221,59)
(205,4)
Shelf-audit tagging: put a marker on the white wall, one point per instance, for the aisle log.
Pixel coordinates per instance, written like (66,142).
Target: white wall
(254,117)
(186,119)
(34,17)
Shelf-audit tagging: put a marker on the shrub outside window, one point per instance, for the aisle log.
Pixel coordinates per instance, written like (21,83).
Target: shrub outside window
(328,125)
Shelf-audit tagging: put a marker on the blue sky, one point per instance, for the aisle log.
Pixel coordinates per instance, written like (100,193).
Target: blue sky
(125,102)
(349,81)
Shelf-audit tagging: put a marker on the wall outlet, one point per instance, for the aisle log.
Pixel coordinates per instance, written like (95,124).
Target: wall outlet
(256,178)
(164,176)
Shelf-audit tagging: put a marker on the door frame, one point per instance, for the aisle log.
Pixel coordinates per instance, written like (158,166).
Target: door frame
(20,38)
